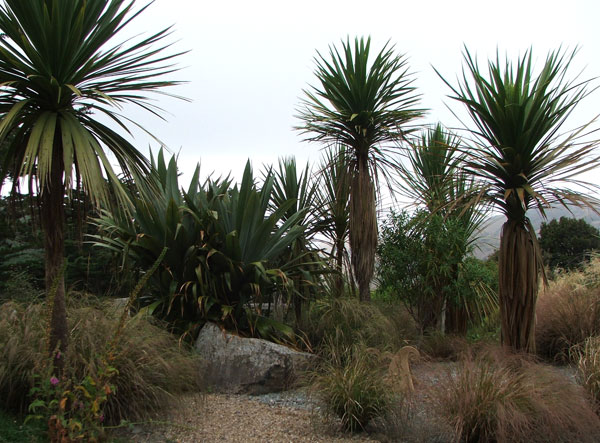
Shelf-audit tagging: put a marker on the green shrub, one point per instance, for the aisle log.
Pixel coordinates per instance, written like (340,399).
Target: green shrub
(151,366)
(351,384)
(568,312)
(13,430)
(509,398)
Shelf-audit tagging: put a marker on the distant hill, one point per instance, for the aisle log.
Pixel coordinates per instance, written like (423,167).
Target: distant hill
(489,239)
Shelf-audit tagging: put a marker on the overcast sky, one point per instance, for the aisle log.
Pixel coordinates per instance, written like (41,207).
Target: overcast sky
(249,61)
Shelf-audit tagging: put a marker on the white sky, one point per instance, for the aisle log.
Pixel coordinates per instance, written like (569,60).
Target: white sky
(249,61)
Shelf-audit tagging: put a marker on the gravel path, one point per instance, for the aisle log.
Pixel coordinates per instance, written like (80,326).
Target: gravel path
(283,417)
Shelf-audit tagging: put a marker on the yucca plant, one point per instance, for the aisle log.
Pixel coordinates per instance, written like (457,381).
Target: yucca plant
(363,105)
(523,164)
(159,222)
(60,69)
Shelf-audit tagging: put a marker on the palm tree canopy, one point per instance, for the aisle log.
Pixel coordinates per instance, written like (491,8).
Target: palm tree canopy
(59,69)
(360,103)
(520,153)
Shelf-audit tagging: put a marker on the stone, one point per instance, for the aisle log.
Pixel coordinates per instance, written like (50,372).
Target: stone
(238,365)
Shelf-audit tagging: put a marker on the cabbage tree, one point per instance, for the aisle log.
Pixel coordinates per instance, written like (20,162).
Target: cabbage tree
(365,105)
(63,76)
(526,161)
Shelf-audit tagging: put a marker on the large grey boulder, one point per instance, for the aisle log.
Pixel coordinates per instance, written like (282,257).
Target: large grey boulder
(247,365)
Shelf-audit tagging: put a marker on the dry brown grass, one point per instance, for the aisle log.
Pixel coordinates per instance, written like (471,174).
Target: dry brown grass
(503,397)
(568,312)
(151,365)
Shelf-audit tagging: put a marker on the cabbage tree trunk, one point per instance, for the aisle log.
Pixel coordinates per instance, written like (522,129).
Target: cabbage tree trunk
(519,266)
(53,216)
(363,227)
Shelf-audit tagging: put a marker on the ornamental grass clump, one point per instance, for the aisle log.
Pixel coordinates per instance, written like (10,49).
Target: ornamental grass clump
(350,382)
(587,357)
(510,398)
(150,365)
(568,312)
(382,325)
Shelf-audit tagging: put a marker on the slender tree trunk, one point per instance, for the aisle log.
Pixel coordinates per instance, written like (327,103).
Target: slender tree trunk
(53,215)
(339,267)
(363,227)
(518,268)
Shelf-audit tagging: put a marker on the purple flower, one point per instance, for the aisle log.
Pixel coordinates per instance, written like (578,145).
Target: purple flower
(101,418)
(53,381)
(58,354)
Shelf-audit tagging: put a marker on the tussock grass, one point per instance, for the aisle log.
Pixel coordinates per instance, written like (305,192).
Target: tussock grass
(381,325)
(587,357)
(350,382)
(510,398)
(568,312)
(151,365)
(440,346)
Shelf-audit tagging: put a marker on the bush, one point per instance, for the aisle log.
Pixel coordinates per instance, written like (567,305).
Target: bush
(351,384)
(568,312)
(509,398)
(151,366)
(568,242)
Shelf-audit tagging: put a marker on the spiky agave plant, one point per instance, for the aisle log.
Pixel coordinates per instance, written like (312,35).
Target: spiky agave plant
(524,164)
(363,105)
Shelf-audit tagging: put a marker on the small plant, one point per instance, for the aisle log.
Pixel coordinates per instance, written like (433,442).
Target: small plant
(443,346)
(508,398)
(351,384)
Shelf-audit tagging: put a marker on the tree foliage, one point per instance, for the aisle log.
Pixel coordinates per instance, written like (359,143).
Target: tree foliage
(566,243)
(421,263)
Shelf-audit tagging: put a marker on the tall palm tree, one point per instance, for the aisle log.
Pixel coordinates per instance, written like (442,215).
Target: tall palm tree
(362,105)
(60,71)
(524,164)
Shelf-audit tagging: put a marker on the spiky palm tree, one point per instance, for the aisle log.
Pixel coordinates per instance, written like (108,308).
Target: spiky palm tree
(60,71)
(524,164)
(363,105)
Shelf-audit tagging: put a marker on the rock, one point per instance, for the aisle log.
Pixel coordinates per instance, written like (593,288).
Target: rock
(239,365)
